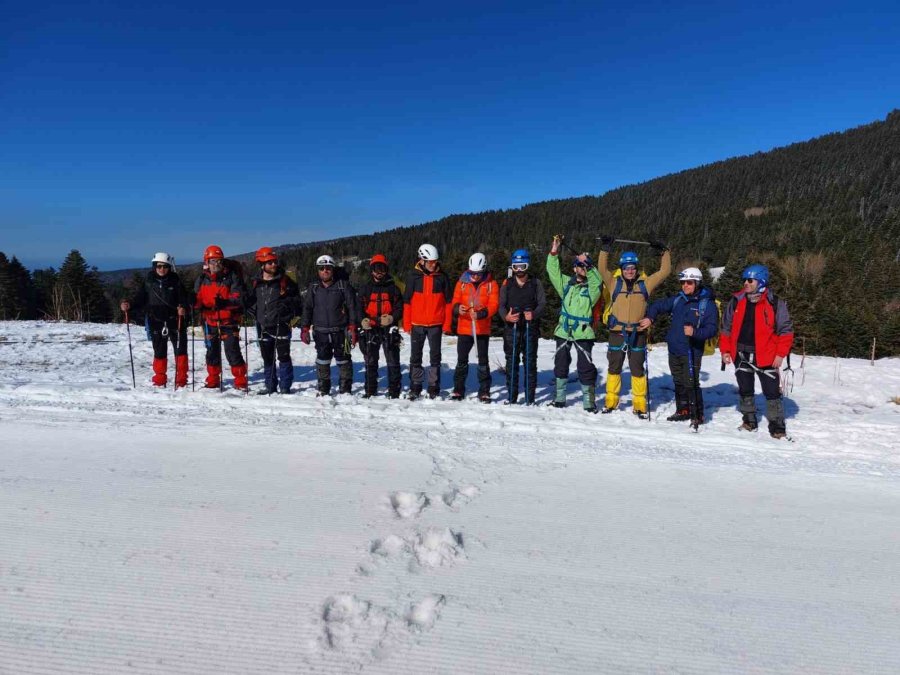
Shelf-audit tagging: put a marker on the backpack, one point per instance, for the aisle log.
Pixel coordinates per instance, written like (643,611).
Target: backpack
(710,346)
(608,298)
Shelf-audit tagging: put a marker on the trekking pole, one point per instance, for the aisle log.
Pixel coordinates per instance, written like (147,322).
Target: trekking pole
(695,416)
(246,359)
(193,352)
(630,241)
(647,368)
(130,352)
(220,347)
(513,365)
(177,344)
(525,368)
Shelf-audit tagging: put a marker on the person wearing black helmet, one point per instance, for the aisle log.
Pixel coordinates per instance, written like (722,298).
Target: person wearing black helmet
(381,310)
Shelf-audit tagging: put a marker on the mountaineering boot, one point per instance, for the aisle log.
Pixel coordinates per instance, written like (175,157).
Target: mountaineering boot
(484,384)
(181,370)
(345,377)
(393,381)
(213,377)
(587,398)
(240,376)
(459,381)
(747,406)
(323,375)
(642,415)
(680,415)
(639,396)
(159,372)
(613,387)
(559,400)
(775,415)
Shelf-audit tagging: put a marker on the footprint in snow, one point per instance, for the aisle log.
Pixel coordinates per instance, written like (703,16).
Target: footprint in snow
(459,496)
(409,504)
(434,547)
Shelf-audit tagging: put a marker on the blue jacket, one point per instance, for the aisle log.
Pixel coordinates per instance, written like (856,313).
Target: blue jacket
(687,309)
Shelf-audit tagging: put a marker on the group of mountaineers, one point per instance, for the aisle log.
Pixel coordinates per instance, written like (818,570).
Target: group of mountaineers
(755,331)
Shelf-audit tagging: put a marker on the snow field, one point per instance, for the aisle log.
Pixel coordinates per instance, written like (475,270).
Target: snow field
(193,532)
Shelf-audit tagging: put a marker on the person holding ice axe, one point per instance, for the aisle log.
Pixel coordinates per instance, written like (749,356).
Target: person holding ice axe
(629,292)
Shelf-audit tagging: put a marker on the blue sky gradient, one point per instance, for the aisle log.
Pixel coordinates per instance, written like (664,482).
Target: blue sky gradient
(128,128)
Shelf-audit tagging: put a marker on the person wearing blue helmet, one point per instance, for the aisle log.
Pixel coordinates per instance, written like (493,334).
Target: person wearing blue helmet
(522,302)
(628,292)
(757,335)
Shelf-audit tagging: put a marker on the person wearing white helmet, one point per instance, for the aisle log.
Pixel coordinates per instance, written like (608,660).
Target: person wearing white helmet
(425,298)
(695,319)
(330,308)
(166,303)
(474,303)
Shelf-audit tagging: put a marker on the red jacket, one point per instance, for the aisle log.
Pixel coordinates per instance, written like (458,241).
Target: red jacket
(224,289)
(773,328)
(425,298)
(484,297)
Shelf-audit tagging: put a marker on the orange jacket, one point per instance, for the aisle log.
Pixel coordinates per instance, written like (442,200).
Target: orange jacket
(484,297)
(425,298)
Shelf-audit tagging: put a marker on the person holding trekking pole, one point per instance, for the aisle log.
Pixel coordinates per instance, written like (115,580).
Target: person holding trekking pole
(757,335)
(579,293)
(220,299)
(381,309)
(629,292)
(473,305)
(166,303)
(521,305)
(274,301)
(695,319)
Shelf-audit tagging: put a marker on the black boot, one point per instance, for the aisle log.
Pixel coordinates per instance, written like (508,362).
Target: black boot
(680,415)
(345,375)
(323,374)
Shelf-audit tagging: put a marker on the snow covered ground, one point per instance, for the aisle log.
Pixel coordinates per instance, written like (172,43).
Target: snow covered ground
(161,531)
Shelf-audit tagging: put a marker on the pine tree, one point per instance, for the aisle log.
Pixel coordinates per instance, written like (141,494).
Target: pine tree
(8,294)
(26,301)
(78,293)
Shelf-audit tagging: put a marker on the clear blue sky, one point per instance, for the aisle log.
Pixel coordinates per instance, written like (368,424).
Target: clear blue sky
(127,128)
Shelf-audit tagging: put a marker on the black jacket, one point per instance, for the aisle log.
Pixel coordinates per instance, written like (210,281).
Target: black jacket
(273,303)
(161,296)
(529,296)
(330,309)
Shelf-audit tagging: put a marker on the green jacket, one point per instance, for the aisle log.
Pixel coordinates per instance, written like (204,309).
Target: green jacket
(578,300)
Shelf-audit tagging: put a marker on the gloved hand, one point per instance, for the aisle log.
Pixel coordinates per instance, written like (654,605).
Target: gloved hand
(304,335)
(366,323)
(658,247)
(386,320)
(606,242)
(352,334)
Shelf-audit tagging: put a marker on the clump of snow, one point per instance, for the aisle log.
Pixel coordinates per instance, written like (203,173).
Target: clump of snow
(408,504)
(424,613)
(436,547)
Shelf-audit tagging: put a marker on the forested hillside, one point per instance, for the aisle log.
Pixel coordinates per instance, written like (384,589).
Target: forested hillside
(823,214)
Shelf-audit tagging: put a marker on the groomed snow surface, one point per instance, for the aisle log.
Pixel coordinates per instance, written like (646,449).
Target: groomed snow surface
(161,531)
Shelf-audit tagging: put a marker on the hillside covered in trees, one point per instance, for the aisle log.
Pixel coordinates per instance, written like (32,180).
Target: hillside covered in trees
(823,214)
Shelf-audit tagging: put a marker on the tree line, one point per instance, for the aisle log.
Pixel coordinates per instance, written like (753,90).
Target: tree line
(824,215)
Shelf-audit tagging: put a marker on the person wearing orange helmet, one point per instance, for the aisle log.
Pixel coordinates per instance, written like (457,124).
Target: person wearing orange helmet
(381,308)
(273,302)
(220,299)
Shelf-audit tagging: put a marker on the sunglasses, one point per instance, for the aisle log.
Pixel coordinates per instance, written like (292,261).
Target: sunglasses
(687,281)
(162,266)
(519,267)
(748,281)
(322,268)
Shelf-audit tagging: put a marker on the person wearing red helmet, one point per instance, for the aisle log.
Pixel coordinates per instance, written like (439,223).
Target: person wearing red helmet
(220,299)
(273,302)
(381,308)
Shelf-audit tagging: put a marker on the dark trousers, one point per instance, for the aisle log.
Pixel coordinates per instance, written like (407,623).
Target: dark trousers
(587,372)
(276,341)
(372,342)
(230,339)
(333,344)
(417,345)
(771,389)
(163,332)
(519,351)
(685,388)
(635,344)
(464,346)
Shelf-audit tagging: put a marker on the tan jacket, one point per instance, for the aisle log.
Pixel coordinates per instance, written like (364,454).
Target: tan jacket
(629,308)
